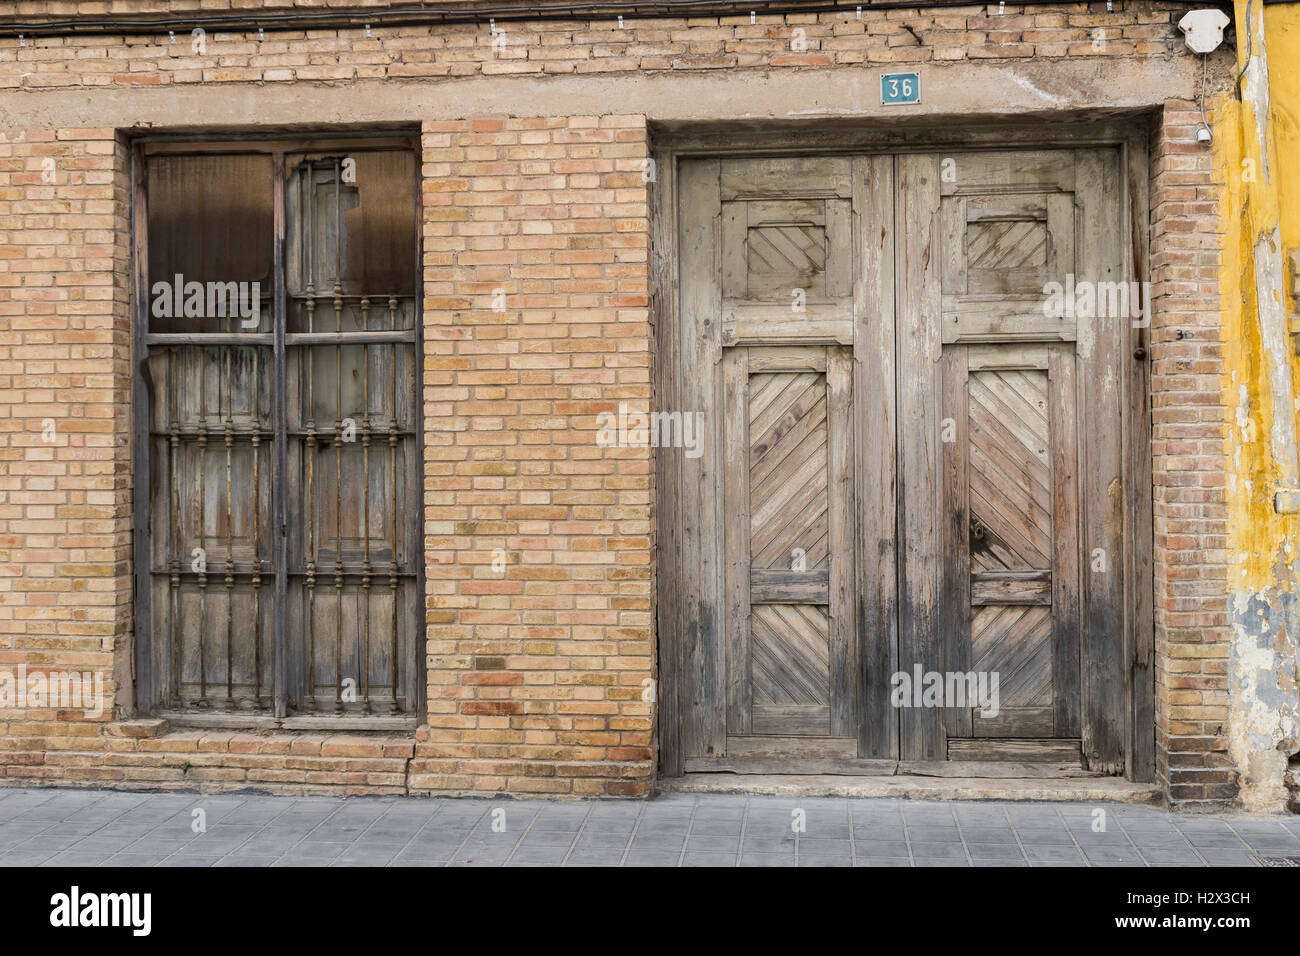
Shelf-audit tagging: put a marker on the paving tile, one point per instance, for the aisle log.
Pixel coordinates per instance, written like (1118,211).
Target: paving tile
(708,827)
(1112,854)
(1216,856)
(369,855)
(594,856)
(883,861)
(767,842)
(1007,852)
(646,857)
(662,842)
(931,834)
(708,858)
(882,849)
(1170,856)
(1053,854)
(938,851)
(538,855)
(596,838)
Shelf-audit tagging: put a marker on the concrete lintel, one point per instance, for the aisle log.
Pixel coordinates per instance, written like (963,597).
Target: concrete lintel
(1011,89)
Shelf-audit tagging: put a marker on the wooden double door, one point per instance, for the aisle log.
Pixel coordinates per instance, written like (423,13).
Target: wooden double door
(903,542)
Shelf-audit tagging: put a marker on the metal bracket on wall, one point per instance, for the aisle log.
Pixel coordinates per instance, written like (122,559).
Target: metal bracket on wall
(1286,501)
(1294,260)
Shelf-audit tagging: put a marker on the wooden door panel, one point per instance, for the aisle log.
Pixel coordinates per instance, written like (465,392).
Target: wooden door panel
(786,247)
(1008,386)
(1007,226)
(983,434)
(789,646)
(767,537)
(789,669)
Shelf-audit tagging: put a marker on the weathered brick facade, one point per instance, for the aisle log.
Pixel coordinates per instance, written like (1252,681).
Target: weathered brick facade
(536,677)
(1190,515)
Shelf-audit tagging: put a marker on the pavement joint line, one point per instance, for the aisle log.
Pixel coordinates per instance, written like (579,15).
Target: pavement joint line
(636,825)
(690,825)
(577,836)
(523,837)
(1073,840)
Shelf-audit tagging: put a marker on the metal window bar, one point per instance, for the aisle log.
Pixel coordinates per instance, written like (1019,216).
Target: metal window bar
(349,657)
(188,441)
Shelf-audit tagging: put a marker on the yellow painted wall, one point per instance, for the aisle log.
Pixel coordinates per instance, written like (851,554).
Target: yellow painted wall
(1261,202)
(1257,533)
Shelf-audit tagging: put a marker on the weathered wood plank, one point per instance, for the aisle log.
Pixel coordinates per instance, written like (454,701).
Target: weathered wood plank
(752,746)
(918,298)
(1019,750)
(841,510)
(1136,429)
(1024,587)
(703,661)
(777,325)
(667,581)
(792,719)
(1065,531)
(789,587)
(826,176)
(996,769)
(789,358)
(831,766)
(1017,722)
(1101,481)
(736,529)
(955,585)
(1001,318)
(874,422)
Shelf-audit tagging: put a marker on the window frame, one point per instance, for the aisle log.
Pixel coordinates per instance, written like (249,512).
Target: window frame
(146,687)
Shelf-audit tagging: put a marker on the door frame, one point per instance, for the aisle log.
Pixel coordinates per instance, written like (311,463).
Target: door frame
(145,686)
(674,619)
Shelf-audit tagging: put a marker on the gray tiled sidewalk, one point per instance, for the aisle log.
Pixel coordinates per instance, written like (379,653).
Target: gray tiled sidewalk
(96,827)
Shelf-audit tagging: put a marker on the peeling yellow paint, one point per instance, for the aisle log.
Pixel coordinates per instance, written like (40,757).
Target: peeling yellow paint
(1257,149)
(1258,197)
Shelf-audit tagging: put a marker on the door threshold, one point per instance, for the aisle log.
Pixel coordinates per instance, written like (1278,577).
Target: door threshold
(917,787)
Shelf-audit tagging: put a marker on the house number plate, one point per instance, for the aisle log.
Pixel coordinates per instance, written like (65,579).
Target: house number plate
(898,88)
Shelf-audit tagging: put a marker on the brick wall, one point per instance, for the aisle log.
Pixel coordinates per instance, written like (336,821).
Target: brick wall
(65,481)
(1188,432)
(534,672)
(976,32)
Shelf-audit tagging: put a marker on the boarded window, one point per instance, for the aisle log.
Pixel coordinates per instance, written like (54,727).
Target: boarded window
(314,612)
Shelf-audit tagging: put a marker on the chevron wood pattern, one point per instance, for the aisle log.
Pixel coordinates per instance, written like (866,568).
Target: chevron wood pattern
(1006,244)
(1010,479)
(787,250)
(790,658)
(1010,472)
(787,472)
(1016,643)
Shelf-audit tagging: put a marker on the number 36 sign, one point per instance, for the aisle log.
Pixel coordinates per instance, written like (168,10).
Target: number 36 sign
(896,88)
